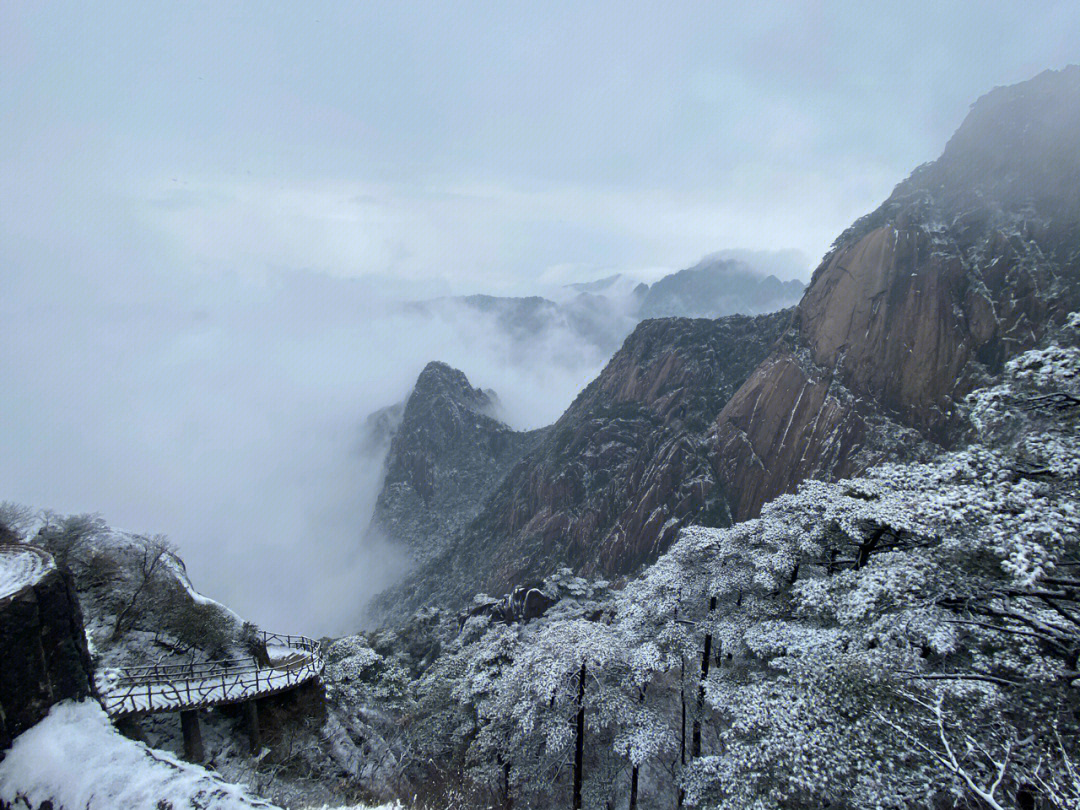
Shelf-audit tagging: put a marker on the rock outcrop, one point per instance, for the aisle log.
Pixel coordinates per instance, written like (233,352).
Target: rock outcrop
(446,456)
(521,605)
(607,487)
(970,261)
(44,655)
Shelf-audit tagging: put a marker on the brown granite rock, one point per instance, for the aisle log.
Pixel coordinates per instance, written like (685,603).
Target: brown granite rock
(969,262)
(610,484)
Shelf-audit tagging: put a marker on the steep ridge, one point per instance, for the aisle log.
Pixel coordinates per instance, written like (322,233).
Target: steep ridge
(447,454)
(609,485)
(970,261)
(715,287)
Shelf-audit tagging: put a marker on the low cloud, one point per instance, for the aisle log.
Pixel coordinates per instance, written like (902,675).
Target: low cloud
(230,421)
(463,237)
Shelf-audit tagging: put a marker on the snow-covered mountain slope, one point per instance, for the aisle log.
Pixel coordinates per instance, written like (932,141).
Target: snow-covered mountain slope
(74,758)
(139,604)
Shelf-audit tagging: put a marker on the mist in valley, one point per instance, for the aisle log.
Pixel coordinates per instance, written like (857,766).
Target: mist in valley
(233,421)
(210,233)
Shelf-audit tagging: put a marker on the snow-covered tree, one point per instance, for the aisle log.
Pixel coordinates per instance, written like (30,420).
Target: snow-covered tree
(901,637)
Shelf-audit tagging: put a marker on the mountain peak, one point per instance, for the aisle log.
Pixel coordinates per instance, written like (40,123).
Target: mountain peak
(969,262)
(718,285)
(443,385)
(1014,163)
(1018,147)
(447,453)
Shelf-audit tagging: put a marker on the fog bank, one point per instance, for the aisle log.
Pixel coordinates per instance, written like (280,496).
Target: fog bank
(228,417)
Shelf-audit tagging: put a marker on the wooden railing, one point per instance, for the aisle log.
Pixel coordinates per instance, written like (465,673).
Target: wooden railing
(178,687)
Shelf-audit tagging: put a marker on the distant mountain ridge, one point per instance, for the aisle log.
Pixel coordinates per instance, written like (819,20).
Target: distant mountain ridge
(603,312)
(716,287)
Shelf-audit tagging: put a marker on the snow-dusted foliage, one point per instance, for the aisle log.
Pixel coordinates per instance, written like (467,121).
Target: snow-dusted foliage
(905,638)
(895,639)
(138,603)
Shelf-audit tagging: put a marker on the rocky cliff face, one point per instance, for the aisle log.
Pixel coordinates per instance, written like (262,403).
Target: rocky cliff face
(42,646)
(970,261)
(447,454)
(608,486)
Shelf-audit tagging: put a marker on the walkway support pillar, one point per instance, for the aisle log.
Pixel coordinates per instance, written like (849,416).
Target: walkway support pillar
(251,714)
(193,746)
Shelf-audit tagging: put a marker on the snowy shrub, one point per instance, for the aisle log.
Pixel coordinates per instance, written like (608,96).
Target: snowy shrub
(15,520)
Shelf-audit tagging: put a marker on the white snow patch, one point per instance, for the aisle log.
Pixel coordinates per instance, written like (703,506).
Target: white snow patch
(76,759)
(21,566)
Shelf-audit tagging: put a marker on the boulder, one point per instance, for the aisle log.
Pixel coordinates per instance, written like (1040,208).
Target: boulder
(45,657)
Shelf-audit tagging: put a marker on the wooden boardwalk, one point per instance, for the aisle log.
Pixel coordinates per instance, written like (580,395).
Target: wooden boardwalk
(293,660)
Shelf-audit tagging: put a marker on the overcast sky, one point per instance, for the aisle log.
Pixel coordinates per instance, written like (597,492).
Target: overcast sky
(477,146)
(180,182)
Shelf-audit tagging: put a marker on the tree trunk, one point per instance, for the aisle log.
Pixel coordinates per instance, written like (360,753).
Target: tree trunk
(505,765)
(579,753)
(682,726)
(867,547)
(706,655)
(634,769)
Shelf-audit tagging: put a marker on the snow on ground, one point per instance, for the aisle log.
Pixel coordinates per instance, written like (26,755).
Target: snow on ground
(21,566)
(76,759)
(280,654)
(177,566)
